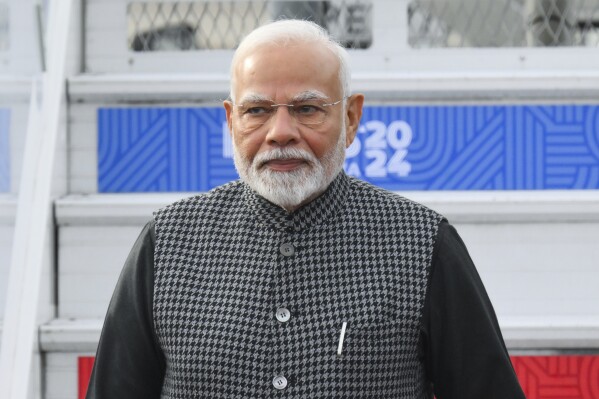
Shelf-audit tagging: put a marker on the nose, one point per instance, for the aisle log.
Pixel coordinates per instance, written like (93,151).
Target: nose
(283,129)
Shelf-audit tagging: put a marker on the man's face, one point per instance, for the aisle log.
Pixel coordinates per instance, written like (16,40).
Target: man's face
(283,153)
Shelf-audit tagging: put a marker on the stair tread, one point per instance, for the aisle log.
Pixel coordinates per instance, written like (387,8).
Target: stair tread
(472,206)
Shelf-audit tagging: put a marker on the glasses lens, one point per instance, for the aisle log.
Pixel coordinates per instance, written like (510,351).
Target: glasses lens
(254,115)
(308,113)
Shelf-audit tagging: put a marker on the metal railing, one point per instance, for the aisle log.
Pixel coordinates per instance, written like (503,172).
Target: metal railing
(504,23)
(168,25)
(31,257)
(198,25)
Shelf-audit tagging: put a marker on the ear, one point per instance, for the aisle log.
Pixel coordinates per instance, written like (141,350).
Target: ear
(353,114)
(228,111)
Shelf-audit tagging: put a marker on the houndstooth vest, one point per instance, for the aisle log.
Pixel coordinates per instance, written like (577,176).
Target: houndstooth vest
(250,301)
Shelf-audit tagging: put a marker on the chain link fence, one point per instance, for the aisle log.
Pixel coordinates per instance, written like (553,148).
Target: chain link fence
(503,23)
(4,27)
(160,26)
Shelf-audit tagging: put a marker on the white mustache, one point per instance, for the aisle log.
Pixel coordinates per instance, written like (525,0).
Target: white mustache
(282,154)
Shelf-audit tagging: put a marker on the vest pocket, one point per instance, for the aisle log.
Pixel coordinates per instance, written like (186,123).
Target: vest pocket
(370,341)
(371,358)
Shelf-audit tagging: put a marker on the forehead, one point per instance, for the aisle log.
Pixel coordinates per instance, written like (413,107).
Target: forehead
(280,72)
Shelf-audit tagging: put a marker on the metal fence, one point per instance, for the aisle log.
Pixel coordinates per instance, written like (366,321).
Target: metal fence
(185,25)
(503,23)
(160,26)
(4,27)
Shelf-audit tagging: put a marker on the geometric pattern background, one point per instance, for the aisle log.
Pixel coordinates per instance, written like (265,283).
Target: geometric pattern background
(4,150)
(495,147)
(541,377)
(161,149)
(563,377)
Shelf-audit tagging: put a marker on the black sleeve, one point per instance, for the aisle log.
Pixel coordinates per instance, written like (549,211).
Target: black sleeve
(464,350)
(129,362)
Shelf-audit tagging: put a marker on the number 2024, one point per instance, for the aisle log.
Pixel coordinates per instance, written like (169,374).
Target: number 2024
(380,136)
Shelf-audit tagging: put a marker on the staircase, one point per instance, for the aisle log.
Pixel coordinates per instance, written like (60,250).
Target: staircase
(534,241)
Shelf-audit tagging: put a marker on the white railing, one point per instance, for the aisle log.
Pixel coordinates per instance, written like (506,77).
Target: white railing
(33,223)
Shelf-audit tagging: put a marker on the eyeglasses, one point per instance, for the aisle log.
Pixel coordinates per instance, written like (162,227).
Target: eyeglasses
(252,115)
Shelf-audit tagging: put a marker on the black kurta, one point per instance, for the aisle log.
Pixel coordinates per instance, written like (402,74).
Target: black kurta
(461,342)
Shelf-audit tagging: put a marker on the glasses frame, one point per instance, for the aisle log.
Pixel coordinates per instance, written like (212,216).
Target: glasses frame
(276,106)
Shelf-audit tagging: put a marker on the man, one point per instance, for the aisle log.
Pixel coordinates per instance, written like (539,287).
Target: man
(298,281)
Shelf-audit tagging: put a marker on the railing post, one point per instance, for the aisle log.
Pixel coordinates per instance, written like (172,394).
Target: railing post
(33,223)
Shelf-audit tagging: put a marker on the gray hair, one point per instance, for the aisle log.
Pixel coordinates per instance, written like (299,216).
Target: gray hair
(293,30)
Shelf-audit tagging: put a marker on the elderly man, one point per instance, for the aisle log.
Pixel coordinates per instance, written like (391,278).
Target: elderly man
(298,281)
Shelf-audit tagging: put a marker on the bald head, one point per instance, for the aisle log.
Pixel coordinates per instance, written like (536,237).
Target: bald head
(288,33)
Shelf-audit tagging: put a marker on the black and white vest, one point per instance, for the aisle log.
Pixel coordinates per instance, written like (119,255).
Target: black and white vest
(249,300)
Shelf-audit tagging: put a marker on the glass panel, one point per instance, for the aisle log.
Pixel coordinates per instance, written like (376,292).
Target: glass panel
(161,26)
(503,23)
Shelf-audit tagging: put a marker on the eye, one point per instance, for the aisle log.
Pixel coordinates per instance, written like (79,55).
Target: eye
(306,109)
(257,110)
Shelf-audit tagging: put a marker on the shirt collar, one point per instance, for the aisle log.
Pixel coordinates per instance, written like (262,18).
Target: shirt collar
(312,214)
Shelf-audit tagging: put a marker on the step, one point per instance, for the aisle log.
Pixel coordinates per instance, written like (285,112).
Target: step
(539,206)
(535,251)
(95,234)
(520,334)
(186,111)
(68,345)
(8,208)
(15,89)
(398,87)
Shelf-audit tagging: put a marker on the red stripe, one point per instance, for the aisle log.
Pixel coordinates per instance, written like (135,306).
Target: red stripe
(563,377)
(85,364)
(541,377)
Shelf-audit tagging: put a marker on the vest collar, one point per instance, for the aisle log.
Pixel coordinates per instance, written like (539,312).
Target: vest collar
(312,214)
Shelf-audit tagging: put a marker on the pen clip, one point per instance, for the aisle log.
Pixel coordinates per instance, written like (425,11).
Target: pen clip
(341,337)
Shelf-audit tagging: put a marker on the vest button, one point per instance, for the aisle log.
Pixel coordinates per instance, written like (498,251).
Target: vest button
(283,315)
(287,249)
(279,382)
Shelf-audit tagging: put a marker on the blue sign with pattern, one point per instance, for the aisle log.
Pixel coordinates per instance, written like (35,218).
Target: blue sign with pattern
(163,149)
(520,147)
(4,150)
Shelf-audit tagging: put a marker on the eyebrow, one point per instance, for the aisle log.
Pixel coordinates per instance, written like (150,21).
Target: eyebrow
(307,95)
(255,98)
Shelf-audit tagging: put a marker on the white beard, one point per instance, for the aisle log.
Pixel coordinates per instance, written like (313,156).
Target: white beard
(291,189)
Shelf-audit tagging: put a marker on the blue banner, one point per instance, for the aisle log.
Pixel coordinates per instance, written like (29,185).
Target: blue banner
(163,149)
(4,150)
(523,147)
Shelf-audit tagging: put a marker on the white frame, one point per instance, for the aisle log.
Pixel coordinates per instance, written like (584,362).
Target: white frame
(510,209)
